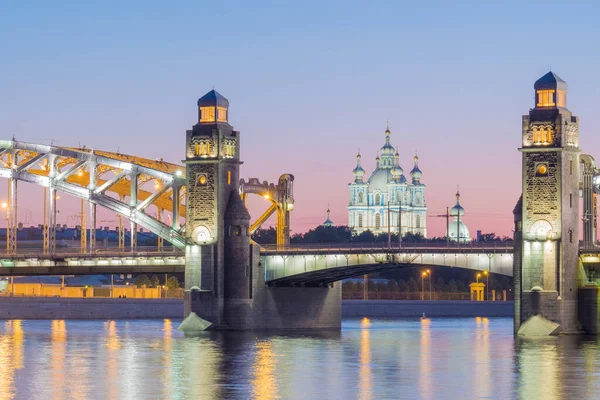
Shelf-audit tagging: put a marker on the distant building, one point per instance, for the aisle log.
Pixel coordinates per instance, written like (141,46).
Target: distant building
(387,189)
(328,221)
(457,229)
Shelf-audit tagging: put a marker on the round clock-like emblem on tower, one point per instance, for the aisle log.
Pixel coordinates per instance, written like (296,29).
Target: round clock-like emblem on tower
(202,179)
(542,170)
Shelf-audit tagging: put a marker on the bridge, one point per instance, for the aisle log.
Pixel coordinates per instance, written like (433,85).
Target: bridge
(321,265)
(305,265)
(198,212)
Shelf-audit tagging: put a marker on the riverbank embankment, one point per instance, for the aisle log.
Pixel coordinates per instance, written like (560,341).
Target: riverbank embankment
(107,308)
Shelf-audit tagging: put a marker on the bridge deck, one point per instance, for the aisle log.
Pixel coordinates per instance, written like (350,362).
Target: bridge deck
(103,261)
(321,265)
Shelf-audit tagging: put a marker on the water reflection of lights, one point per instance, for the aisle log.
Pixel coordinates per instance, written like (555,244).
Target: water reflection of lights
(482,358)
(425,360)
(112,362)
(538,366)
(364,383)
(166,358)
(58,337)
(11,357)
(264,383)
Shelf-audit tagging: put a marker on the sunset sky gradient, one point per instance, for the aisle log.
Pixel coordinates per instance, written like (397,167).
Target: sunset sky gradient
(309,84)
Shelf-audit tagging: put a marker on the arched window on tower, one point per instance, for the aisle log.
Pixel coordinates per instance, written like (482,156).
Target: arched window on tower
(378,199)
(548,135)
(377,221)
(361,197)
(418,222)
(360,220)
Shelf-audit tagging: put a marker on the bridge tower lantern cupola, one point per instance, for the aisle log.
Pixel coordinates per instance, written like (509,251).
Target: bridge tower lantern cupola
(213,108)
(550,92)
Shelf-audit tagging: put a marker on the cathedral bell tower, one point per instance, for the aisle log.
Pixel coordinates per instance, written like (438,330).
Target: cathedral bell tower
(213,210)
(547,239)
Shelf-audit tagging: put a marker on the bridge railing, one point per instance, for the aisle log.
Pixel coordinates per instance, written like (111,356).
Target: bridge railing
(140,251)
(384,247)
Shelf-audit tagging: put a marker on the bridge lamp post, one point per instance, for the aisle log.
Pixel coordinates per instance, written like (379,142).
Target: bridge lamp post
(423,275)
(487,282)
(478,276)
(430,277)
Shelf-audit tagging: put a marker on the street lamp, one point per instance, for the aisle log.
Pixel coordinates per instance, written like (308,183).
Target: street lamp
(478,276)
(487,282)
(429,273)
(423,275)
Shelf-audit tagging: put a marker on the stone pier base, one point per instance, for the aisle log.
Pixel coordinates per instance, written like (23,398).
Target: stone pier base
(270,308)
(273,308)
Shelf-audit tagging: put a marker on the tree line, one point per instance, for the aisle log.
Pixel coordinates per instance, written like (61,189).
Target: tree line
(344,234)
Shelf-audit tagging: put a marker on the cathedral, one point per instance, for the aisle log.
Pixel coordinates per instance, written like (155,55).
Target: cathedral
(387,197)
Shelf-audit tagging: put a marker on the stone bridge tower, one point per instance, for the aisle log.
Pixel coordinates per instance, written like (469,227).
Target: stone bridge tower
(218,245)
(547,227)
(225,282)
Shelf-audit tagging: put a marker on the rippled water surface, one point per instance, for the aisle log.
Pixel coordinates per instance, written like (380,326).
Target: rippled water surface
(433,359)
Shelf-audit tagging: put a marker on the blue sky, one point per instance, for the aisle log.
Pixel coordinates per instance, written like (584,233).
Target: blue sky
(309,84)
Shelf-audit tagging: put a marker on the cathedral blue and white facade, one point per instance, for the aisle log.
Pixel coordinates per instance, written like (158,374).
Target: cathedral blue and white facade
(368,207)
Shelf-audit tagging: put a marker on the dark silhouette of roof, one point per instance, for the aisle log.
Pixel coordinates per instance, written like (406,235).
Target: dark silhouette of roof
(213,98)
(550,81)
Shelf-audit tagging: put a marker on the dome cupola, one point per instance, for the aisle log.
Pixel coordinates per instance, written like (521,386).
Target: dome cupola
(387,152)
(457,210)
(416,172)
(328,221)
(212,108)
(358,172)
(397,170)
(550,91)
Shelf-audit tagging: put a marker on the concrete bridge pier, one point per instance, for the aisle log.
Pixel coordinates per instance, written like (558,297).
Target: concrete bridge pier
(269,308)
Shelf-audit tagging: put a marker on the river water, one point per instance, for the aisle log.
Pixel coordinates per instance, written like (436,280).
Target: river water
(465,358)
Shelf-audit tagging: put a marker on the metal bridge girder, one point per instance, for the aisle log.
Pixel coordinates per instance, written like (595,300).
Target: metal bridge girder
(73,160)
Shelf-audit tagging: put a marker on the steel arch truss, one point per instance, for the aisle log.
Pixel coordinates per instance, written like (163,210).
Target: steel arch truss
(110,180)
(282,201)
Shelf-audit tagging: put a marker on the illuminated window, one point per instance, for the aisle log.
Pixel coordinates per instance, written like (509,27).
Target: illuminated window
(202,148)
(360,220)
(207,114)
(221,114)
(548,135)
(561,98)
(229,177)
(545,98)
(228,148)
(377,221)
